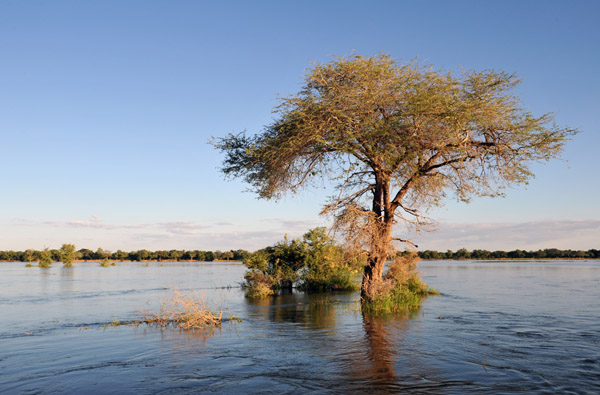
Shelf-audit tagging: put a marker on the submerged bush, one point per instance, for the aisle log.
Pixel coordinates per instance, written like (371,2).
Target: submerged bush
(258,284)
(185,312)
(402,289)
(314,263)
(106,263)
(46,258)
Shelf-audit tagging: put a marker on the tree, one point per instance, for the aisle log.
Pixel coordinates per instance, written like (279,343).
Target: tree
(394,140)
(29,255)
(45,258)
(120,255)
(67,254)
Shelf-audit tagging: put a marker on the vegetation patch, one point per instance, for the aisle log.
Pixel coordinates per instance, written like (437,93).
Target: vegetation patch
(106,263)
(401,290)
(314,263)
(45,259)
(185,312)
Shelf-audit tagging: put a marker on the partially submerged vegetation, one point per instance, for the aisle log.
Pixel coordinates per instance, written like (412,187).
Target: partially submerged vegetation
(314,263)
(184,312)
(402,289)
(393,139)
(45,259)
(67,254)
(181,311)
(106,263)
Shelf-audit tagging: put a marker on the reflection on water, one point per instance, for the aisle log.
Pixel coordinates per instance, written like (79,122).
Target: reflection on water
(380,350)
(535,325)
(312,311)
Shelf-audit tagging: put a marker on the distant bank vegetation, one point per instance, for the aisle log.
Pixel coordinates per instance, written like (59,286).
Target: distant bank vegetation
(84,254)
(549,253)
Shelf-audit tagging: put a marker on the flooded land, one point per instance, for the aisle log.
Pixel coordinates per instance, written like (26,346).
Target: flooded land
(497,327)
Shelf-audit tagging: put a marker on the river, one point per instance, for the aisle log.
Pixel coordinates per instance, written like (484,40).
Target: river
(497,327)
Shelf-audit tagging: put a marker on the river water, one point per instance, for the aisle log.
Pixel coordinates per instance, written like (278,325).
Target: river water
(508,327)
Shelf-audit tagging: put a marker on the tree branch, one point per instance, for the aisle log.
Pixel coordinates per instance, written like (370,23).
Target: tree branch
(405,241)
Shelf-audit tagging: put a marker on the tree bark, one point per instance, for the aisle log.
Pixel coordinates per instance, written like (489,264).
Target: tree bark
(380,241)
(373,273)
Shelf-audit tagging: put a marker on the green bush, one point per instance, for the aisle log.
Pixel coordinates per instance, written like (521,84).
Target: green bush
(46,258)
(402,289)
(105,263)
(314,263)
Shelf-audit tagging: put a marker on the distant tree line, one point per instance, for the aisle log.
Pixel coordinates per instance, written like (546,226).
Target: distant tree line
(85,254)
(549,253)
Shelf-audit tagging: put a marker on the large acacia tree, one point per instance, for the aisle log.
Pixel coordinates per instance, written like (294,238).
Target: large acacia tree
(393,139)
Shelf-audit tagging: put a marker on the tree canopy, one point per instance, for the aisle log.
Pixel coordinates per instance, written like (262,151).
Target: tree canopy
(394,140)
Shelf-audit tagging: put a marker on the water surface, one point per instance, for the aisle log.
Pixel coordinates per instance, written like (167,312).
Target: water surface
(497,327)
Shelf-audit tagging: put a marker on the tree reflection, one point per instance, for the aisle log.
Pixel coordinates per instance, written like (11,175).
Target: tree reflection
(315,311)
(353,350)
(380,350)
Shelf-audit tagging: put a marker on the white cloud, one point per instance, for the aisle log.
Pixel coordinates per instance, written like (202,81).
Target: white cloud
(94,233)
(570,234)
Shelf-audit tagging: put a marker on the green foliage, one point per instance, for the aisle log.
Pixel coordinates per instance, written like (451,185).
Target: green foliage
(67,254)
(394,140)
(548,253)
(105,263)
(28,255)
(329,266)
(314,263)
(258,284)
(402,289)
(46,258)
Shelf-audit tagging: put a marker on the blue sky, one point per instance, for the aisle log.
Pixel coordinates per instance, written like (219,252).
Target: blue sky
(106,109)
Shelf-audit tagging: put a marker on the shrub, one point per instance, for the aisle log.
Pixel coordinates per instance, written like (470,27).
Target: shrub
(105,263)
(402,289)
(314,263)
(46,258)
(67,254)
(258,284)
(185,312)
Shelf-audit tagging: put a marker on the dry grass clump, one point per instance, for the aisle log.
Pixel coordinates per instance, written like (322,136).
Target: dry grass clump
(185,312)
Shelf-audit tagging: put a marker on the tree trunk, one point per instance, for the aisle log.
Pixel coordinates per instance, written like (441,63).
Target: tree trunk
(380,239)
(373,273)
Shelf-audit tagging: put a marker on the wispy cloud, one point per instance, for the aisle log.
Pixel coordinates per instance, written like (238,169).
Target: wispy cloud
(94,222)
(292,225)
(567,234)
(180,228)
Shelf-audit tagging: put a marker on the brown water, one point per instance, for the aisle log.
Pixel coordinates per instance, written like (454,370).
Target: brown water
(496,328)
